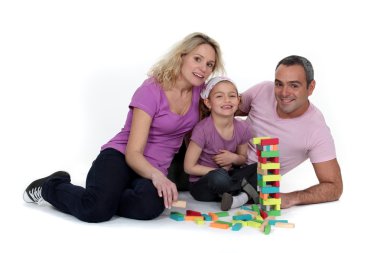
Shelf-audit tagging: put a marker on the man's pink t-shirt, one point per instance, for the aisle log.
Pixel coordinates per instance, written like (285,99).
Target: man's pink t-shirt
(301,138)
(167,128)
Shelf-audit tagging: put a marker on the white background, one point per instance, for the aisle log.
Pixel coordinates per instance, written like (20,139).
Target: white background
(67,73)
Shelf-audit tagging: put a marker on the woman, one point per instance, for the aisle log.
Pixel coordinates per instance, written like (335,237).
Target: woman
(128,178)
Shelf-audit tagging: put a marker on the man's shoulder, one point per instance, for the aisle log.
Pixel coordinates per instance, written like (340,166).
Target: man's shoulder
(315,115)
(262,86)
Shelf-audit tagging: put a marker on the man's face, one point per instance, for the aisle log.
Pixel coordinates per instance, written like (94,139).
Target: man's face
(291,91)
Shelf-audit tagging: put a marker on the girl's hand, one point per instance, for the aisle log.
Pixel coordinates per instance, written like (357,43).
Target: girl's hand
(225,158)
(165,188)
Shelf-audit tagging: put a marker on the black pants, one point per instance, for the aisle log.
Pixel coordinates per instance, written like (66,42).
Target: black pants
(212,185)
(112,188)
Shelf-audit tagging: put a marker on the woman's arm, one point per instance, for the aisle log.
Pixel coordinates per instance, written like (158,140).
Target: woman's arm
(134,155)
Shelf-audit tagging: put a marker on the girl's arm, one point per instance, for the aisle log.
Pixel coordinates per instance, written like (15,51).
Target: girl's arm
(227,159)
(134,156)
(191,165)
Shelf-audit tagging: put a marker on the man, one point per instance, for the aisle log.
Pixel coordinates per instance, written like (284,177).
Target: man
(282,109)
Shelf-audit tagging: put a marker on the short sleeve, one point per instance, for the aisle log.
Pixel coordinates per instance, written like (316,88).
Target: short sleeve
(198,135)
(248,97)
(323,147)
(146,98)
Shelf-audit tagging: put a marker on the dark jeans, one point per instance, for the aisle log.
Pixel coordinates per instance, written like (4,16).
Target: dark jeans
(211,186)
(176,172)
(112,188)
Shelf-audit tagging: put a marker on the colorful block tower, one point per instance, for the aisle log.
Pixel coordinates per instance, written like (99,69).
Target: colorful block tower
(268,175)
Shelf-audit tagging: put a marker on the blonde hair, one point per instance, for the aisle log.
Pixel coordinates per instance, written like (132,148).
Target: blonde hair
(167,70)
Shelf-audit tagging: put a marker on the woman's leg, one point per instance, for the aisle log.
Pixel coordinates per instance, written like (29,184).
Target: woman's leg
(140,201)
(106,180)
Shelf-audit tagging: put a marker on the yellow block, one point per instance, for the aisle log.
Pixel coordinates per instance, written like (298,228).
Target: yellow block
(270,202)
(253,224)
(266,166)
(257,140)
(269,178)
(261,172)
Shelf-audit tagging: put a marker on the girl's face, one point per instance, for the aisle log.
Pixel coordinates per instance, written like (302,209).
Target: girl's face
(198,65)
(223,99)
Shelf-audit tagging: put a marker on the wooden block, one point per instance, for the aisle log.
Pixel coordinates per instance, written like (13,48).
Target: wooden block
(257,140)
(267,229)
(222,214)
(176,217)
(269,154)
(193,213)
(244,217)
(284,225)
(193,218)
(236,227)
(266,166)
(271,178)
(214,217)
(219,225)
(179,204)
(272,141)
(273,222)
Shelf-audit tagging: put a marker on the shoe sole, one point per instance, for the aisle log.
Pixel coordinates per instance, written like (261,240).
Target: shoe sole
(226,202)
(26,196)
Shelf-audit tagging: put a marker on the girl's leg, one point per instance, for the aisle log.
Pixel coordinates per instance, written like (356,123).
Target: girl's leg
(211,186)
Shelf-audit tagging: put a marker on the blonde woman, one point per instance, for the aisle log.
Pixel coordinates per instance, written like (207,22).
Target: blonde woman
(129,176)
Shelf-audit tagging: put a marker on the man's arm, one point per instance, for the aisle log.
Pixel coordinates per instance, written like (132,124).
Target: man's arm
(330,187)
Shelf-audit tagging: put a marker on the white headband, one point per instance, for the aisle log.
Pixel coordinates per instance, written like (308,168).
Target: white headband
(211,83)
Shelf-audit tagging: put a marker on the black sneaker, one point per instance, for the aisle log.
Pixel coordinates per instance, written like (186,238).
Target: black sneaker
(226,203)
(32,194)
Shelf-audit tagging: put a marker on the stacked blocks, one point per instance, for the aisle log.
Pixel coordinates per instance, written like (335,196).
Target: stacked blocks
(268,176)
(260,216)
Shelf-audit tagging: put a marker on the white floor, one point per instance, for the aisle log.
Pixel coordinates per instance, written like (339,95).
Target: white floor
(324,227)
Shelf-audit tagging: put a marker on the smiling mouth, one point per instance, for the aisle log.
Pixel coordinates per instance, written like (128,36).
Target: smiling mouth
(198,75)
(286,100)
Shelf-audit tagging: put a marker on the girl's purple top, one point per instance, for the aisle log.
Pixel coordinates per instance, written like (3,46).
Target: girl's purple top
(167,129)
(211,142)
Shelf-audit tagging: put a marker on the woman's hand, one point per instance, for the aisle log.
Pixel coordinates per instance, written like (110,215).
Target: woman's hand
(165,188)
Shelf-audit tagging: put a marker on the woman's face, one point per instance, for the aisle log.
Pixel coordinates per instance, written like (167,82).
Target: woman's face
(198,65)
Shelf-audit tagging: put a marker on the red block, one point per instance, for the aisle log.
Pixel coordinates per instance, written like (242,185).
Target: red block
(274,159)
(273,141)
(192,213)
(263,214)
(262,160)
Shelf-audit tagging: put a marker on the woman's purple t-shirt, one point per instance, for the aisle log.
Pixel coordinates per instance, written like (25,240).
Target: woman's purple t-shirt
(167,129)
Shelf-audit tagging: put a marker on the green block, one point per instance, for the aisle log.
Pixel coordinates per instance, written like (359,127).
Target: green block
(270,153)
(222,214)
(224,222)
(274,213)
(267,229)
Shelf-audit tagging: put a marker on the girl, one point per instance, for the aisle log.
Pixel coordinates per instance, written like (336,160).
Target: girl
(217,153)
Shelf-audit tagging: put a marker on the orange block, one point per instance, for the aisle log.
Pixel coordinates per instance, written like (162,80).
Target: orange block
(219,225)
